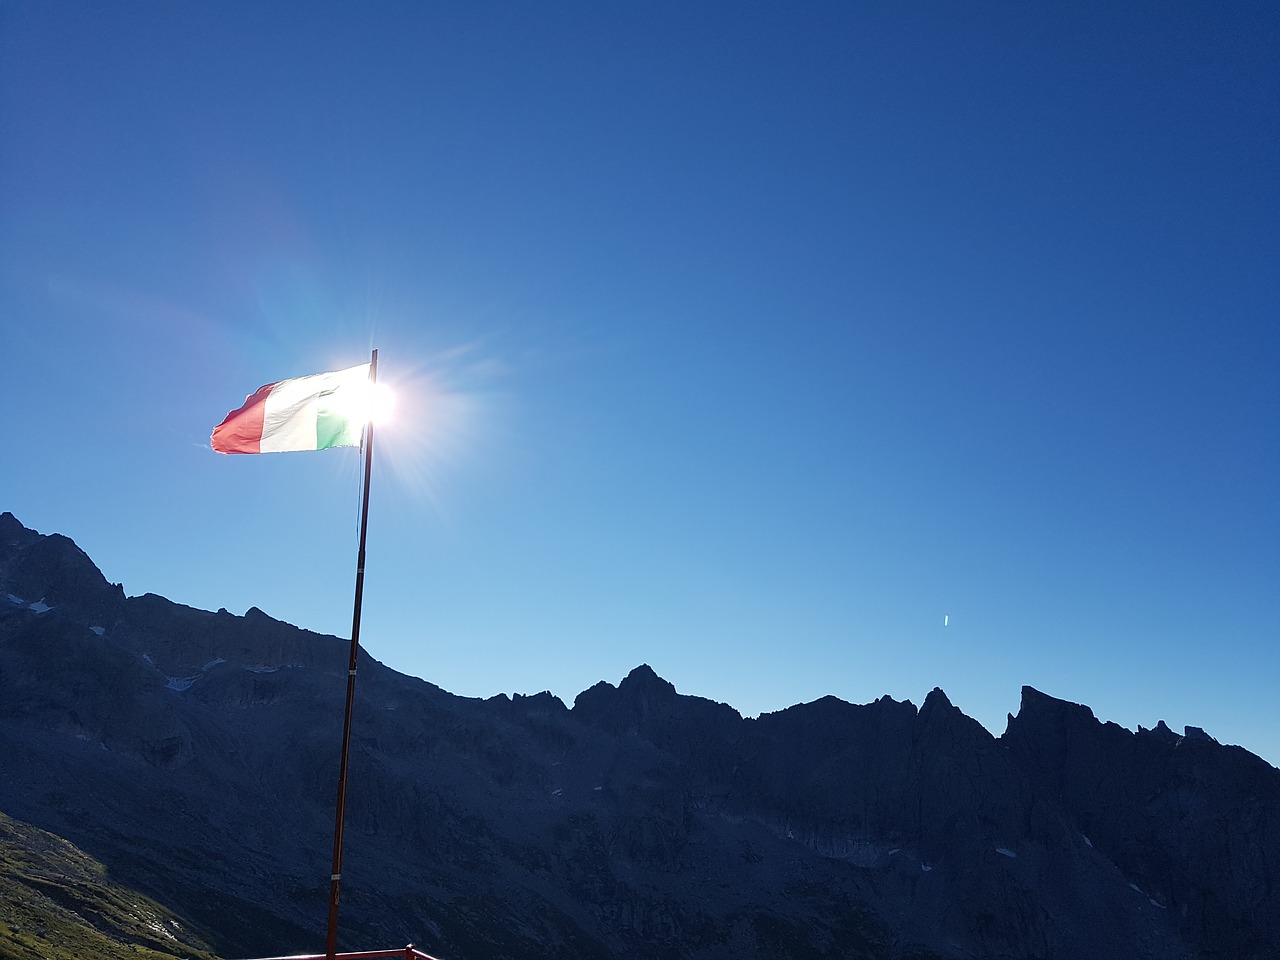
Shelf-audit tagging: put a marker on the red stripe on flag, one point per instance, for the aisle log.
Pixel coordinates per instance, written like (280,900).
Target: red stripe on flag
(241,430)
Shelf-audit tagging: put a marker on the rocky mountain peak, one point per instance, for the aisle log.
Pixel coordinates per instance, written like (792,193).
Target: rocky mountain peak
(1040,715)
(12,529)
(642,685)
(936,701)
(940,721)
(640,699)
(46,571)
(1162,733)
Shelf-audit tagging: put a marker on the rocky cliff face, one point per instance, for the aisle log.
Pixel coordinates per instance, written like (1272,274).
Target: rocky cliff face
(195,754)
(1191,823)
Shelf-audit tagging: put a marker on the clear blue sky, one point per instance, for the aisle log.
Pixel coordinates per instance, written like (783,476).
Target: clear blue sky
(745,340)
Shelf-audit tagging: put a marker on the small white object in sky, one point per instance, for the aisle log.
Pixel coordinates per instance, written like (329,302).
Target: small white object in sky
(946,618)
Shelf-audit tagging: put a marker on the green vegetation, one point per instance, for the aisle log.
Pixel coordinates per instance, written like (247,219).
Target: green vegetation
(57,903)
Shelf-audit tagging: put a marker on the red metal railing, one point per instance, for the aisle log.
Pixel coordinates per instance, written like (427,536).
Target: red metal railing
(407,952)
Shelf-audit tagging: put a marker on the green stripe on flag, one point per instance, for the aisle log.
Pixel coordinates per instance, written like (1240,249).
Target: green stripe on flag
(334,429)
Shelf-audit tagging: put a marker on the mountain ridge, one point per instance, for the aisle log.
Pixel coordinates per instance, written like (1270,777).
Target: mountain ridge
(638,821)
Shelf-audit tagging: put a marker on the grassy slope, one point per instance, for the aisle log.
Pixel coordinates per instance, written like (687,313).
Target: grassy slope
(57,903)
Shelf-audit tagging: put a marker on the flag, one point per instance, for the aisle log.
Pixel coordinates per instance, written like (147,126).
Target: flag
(306,413)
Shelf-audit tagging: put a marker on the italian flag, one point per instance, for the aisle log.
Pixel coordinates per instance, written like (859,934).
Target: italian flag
(306,413)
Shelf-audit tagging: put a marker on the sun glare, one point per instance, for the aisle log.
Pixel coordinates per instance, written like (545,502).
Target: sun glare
(364,402)
(381,403)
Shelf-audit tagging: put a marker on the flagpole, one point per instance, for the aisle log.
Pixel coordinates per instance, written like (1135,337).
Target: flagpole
(335,875)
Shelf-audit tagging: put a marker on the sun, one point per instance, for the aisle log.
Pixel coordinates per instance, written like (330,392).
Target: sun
(363,402)
(381,403)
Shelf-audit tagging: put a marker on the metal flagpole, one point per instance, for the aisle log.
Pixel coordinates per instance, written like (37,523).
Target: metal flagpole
(335,875)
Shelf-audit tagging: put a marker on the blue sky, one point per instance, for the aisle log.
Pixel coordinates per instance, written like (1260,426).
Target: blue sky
(745,340)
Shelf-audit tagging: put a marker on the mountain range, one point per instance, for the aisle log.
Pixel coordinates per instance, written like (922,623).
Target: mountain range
(193,756)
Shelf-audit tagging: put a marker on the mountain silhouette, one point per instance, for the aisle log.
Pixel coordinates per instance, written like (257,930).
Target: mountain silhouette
(194,754)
